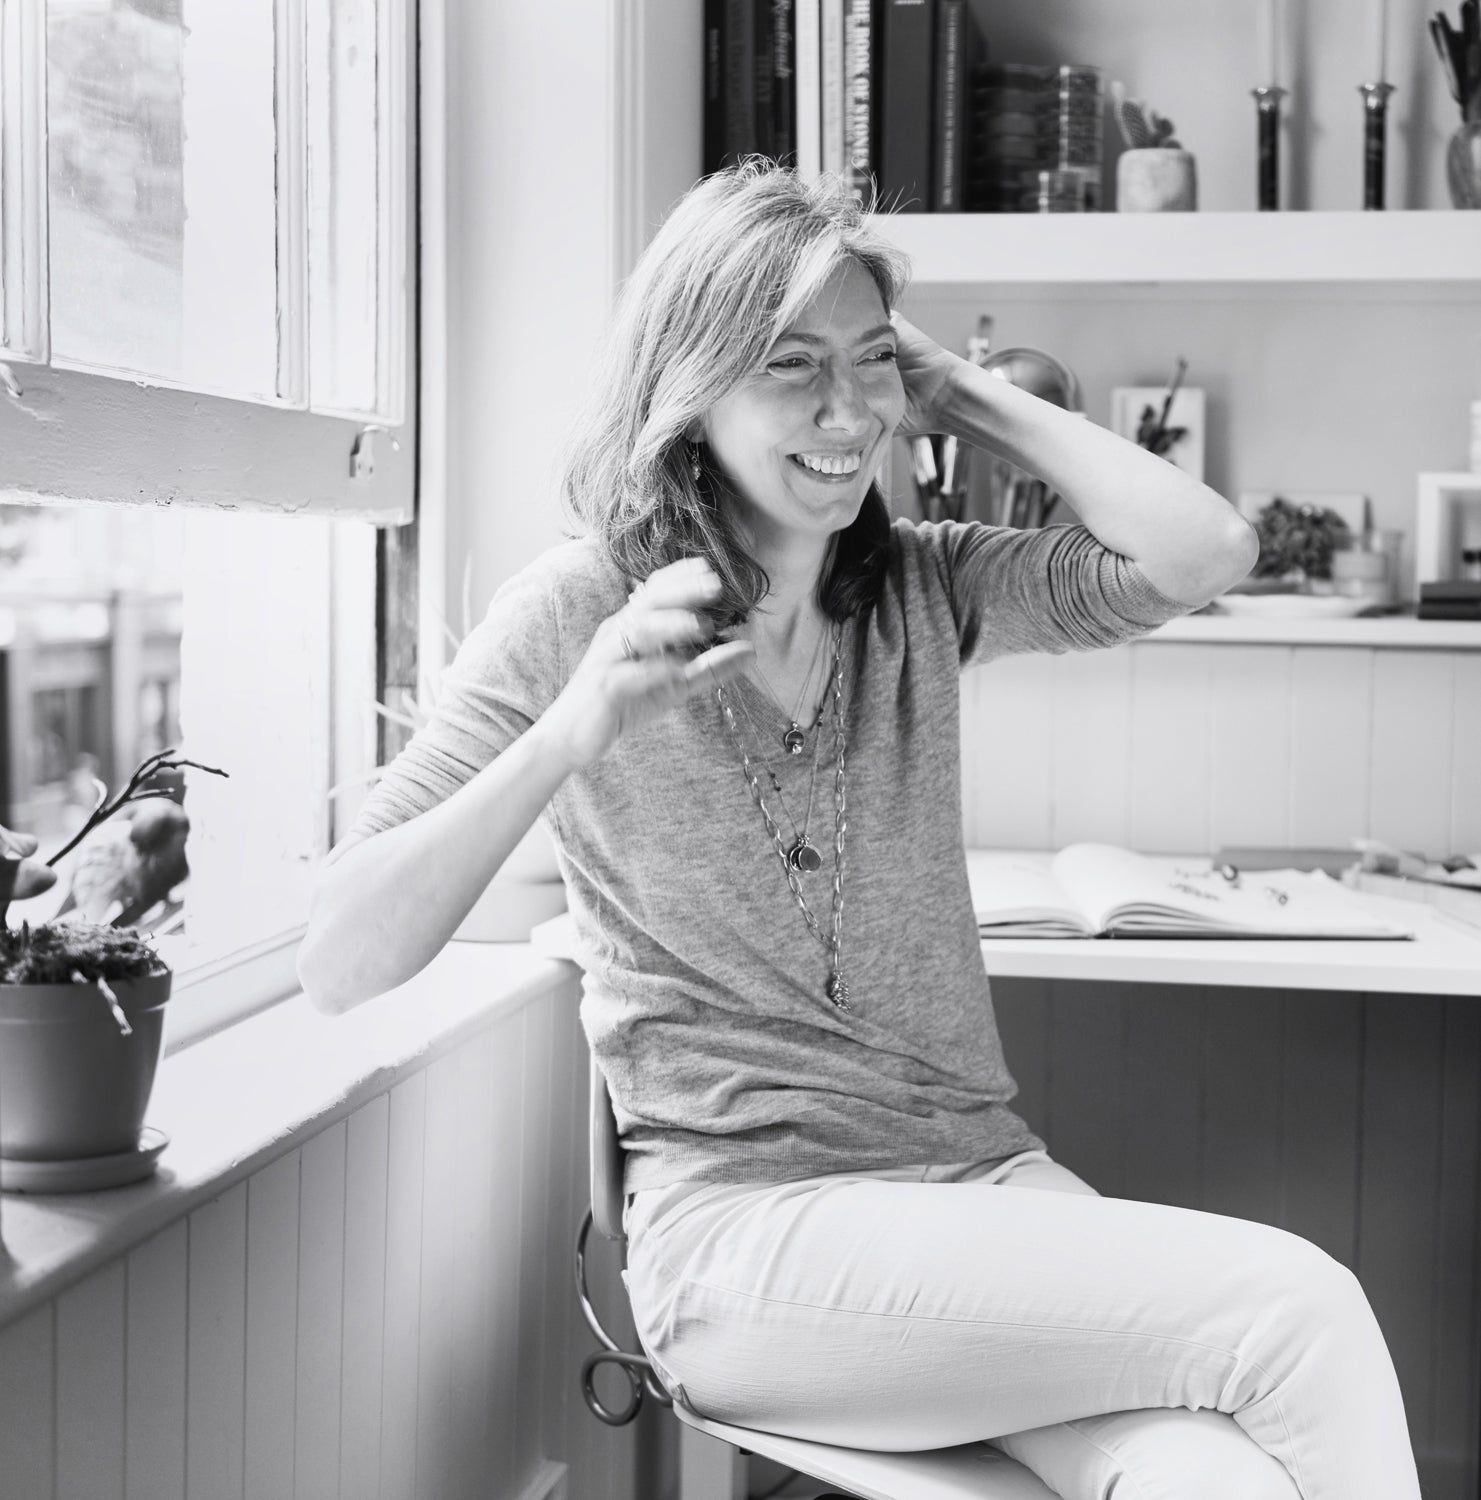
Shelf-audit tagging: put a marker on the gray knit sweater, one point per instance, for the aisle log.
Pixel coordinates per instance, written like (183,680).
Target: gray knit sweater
(705,1001)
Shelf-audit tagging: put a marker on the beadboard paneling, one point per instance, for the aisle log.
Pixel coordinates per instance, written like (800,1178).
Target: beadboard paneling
(1351,1120)
(385,1309)
(154,1367)
(1181,747)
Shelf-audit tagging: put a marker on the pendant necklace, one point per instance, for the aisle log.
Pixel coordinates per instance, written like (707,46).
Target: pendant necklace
(802,856)
(836,988)
(795,738)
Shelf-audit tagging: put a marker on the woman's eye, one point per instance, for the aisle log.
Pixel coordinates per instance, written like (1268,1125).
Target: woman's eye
(882,357)
(789,362)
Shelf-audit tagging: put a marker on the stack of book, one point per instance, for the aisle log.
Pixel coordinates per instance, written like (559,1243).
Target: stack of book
(1454,599)
(886,93)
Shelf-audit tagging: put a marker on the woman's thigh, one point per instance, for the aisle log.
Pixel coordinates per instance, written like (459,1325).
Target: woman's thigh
(878,1311)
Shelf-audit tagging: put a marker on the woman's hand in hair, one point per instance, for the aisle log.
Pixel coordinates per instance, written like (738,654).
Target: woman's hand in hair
(927,371)
(641,664)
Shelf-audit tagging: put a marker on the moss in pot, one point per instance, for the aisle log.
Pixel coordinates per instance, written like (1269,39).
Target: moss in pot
(81,1010)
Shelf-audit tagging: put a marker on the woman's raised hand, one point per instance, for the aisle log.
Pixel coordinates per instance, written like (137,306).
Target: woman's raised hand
(926,371)
(638,665)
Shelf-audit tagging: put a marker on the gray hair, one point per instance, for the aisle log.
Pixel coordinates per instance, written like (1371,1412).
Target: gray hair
(733,265)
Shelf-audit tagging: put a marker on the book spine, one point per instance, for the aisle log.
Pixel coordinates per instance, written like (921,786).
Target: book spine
(740,79)
(783,82)
(807,21)
(950,92)
(714,86)
(762,86)
(1453,588)
(1449,609)
(831,70)
(906,34)
(858,100)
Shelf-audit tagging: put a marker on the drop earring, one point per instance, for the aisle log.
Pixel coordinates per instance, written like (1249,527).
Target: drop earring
(694,467)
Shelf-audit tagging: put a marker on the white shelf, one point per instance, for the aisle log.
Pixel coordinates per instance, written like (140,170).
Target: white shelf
(1402,631)
(1406,246)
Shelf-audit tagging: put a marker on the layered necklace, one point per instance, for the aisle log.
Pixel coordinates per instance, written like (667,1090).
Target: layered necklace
(802,858)
(794,740)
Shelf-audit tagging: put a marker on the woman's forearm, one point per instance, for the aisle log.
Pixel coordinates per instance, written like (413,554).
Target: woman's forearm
(386,905)
(1186,538)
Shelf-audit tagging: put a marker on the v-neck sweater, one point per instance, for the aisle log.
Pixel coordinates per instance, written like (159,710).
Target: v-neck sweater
(705,1000)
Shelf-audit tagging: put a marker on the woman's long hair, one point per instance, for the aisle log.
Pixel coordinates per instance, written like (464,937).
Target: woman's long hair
(734,264)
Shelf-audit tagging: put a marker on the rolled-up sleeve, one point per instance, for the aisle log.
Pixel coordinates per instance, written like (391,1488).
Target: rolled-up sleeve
(1055,589)
(504,676)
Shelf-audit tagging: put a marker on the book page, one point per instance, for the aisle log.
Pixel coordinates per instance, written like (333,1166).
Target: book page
(1128,894)
(1015,896)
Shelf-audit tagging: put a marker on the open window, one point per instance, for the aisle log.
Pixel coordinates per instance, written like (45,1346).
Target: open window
(206,412)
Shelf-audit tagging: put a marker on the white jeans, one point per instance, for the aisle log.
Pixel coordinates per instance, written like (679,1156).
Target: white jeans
(1117,1348)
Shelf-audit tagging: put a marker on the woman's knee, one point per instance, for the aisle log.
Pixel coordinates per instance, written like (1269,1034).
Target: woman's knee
(1151,1454)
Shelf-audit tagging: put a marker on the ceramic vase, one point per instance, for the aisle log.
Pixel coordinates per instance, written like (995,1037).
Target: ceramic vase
(1463,165)
(1156,179)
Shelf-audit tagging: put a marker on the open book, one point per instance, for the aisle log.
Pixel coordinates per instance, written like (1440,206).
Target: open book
(1098,890)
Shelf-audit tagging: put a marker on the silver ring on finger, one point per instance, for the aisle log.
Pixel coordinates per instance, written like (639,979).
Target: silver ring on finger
(626,644)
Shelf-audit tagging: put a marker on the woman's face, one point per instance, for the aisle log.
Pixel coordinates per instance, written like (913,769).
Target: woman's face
(802,438)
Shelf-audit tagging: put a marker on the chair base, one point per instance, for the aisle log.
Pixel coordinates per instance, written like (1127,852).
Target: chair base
(972,1471)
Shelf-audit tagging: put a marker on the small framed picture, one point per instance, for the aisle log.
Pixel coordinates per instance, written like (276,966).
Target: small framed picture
(1136,408)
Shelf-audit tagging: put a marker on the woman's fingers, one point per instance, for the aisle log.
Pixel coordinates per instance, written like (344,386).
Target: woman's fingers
(688,583)
(659,683)
(719,664)
(642,631)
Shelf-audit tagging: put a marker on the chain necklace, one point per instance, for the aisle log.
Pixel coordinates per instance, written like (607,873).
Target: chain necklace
(795,736)
(802,856)
(832,941)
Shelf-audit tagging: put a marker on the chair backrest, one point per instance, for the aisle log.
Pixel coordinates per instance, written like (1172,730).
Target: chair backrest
(606,1160)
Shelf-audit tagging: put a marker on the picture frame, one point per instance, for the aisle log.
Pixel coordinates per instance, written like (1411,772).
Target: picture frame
(1128,402)
(1447,521)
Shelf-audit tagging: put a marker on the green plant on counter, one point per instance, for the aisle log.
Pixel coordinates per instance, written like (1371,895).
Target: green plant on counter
(1142,128)
(1297,539)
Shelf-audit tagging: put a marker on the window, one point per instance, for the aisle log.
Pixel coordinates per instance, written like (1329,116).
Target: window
(205,415)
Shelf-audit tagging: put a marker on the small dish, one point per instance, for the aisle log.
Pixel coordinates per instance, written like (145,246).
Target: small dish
(84,1174)
(1292,606)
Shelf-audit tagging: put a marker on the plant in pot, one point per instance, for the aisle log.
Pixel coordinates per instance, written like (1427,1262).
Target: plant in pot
(1154,174)
(82,1004)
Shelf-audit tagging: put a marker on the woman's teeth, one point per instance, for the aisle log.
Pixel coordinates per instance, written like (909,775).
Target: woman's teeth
(828,463)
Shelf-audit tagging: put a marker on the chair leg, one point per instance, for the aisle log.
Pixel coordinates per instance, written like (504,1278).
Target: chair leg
(708,1468)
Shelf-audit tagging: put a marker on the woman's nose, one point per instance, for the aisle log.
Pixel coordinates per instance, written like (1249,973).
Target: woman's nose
(844,406)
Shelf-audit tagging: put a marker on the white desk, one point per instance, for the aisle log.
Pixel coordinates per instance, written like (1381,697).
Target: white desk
(1443,958)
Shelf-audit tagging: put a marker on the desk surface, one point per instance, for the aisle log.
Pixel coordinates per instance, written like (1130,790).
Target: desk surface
(1443,958)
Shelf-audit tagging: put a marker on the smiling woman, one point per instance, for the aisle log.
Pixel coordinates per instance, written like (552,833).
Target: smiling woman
(762,847)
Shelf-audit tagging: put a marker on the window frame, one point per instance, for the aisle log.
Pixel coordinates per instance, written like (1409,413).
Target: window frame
(78,436)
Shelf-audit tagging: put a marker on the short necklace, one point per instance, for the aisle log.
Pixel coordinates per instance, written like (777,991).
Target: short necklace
(832,941)
(795,737)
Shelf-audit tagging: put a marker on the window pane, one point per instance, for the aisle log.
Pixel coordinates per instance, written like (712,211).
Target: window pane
(161,167)
(126,630)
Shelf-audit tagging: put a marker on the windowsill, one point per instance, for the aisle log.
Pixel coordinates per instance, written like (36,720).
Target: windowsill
(233,1102)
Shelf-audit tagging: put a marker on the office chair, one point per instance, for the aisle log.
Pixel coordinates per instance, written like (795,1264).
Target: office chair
(711,1454)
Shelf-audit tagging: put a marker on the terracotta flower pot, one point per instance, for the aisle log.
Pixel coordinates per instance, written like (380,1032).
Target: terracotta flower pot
(1156,179)
(72,1085)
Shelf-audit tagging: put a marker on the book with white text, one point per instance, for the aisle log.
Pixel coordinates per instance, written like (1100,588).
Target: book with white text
(1099,890)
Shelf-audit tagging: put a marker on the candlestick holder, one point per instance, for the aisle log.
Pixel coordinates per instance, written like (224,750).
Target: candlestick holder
(1267,117)
(1375,134)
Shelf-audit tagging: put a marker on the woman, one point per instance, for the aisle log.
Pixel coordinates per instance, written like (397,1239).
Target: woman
(735,702)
